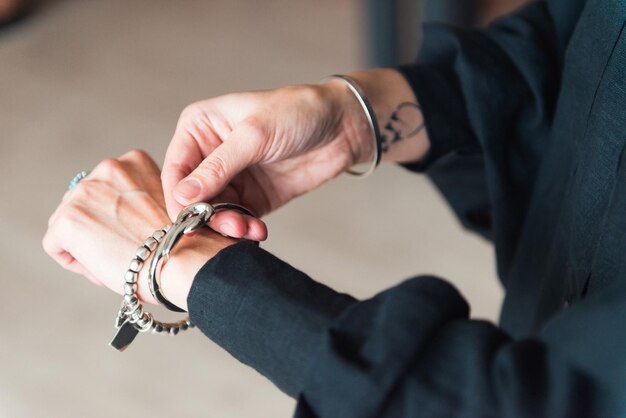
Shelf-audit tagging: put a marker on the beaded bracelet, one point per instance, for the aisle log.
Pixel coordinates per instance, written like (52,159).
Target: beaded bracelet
(131,318)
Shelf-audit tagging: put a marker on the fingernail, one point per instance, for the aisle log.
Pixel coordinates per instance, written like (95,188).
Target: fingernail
(228,229)
(251,237)
(188,188)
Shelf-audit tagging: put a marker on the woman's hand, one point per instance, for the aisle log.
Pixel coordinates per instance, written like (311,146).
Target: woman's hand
(262,149)
(100,223)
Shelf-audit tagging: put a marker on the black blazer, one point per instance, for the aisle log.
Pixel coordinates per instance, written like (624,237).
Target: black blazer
(527,121)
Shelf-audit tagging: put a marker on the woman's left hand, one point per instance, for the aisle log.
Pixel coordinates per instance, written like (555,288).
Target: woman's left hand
(102,221)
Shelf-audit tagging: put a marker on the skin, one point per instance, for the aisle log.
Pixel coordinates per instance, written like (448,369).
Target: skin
(258,149)
(262,149)
(101,222)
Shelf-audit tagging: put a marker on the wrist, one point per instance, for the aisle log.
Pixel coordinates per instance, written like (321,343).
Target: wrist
(399,116)
(352,125)
(190,254)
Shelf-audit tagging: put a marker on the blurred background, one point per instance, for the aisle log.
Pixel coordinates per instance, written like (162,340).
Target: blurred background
(84,80)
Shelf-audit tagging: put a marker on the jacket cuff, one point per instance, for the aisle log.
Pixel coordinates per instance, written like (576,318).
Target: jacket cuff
(264,312)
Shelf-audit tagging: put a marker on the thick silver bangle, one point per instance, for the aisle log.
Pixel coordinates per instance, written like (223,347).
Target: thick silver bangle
(371,119)
(190,219)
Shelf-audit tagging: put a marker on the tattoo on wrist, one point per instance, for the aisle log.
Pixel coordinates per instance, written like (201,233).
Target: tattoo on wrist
(406,121)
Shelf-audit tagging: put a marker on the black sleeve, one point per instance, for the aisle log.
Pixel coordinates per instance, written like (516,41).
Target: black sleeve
(410,351)
(264,312)
(488,97)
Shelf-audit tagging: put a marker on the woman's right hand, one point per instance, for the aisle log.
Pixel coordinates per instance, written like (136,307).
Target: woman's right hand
(262,149)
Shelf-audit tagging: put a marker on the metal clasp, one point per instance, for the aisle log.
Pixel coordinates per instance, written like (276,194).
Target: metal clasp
(191,218)
(194,217)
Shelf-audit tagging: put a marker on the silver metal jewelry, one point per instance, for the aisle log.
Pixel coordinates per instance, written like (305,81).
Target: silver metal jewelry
(371,119)
(78,177)
(131,318)
(191,218)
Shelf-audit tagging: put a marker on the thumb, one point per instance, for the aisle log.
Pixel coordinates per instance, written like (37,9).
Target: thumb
(213,174)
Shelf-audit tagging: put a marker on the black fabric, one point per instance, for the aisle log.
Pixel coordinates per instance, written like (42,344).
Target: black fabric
(493,90)
(527,122)
(264,312)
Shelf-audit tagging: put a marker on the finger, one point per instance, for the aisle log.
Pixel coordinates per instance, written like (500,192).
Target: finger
(237,225)
(56,250)
(55,247)
(184,154)
(170,177)
(68,262)
(180,160)
(229,194)
(219,167)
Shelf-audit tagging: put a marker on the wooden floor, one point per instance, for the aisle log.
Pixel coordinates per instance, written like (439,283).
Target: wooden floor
(84,80)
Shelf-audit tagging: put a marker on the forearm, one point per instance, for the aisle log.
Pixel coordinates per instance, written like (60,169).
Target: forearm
(398,113)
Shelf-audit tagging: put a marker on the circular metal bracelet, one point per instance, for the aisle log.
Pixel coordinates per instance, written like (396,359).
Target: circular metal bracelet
(371,119)
(190,219)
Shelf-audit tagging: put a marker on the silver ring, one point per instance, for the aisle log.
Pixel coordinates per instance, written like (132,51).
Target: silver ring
(78,177)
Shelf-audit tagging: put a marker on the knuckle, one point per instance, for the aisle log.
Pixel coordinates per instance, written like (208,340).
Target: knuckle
(109,166)
(82,191)
(137,155)
(254,129)
(215,167)
(126,179)
(73,214)
(86,192)
(189,111)
(46,243)
(172,170)
(256,134)
(116,172)
(188,118)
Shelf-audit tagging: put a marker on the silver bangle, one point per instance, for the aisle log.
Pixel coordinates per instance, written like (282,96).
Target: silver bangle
(371,119)
(190,219)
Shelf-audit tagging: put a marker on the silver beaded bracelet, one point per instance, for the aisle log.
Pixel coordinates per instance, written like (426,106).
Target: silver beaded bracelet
(131,318)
